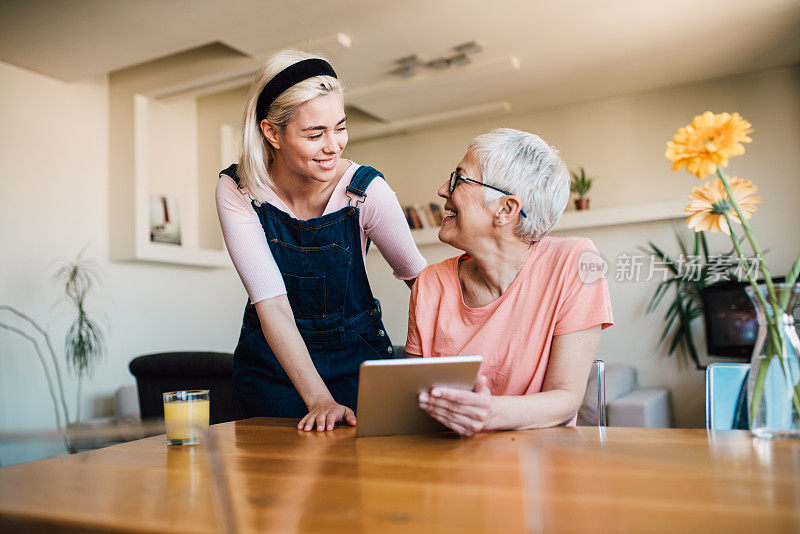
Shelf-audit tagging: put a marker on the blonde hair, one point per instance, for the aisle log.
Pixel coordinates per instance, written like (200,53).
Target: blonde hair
(257,153)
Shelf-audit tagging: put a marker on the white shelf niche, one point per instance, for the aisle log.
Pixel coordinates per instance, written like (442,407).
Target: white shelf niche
(144,249)
(592,218)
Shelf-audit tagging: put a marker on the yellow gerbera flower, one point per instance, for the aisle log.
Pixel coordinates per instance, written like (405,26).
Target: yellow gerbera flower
(707,142)
(710,203)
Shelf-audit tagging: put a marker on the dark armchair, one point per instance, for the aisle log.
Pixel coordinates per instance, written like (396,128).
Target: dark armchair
(171,371)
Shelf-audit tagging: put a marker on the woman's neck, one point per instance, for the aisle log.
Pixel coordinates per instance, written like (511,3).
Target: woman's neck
(491,269)
(305,197)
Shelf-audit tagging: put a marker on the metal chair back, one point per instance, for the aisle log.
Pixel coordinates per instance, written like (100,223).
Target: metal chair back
(724,382)
(599,372)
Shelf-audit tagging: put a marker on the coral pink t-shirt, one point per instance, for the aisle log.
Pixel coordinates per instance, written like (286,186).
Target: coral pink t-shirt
(558,291)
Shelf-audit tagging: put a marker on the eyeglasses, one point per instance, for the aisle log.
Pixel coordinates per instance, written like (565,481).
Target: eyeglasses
(455,177)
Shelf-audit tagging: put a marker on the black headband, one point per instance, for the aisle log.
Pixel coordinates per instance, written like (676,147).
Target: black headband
(302,70)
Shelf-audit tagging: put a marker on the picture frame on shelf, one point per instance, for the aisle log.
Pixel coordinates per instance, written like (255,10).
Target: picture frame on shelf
(165,220)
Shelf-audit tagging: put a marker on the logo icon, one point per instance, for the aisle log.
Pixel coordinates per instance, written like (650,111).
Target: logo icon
(591,267)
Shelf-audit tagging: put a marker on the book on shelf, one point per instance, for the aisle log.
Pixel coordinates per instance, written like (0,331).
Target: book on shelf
(436,212)
(414,220)
(423,215)
(409,220)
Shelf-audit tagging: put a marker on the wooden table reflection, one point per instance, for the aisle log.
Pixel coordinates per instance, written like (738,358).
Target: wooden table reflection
(553,480)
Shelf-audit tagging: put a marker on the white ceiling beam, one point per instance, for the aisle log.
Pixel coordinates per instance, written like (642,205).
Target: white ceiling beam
(389,100)
(367,132)
(242,76)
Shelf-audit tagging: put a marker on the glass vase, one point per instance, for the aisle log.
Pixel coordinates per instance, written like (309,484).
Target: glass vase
(774,380)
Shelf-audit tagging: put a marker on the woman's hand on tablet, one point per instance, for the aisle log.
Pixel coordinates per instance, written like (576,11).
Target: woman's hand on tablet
(324,415)
(465,412)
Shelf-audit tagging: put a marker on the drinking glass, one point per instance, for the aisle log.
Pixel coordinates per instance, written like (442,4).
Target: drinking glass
(186,415)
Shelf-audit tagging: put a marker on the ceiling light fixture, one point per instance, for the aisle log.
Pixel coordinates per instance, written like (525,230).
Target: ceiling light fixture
(410,61)
(403,72)
(470,48)
(408,66)
(439,64)
(460,60)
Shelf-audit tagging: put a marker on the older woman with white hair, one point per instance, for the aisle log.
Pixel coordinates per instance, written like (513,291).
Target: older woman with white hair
(531,305)
(297,219)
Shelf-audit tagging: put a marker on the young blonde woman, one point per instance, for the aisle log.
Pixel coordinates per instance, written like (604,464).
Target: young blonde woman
(297,219)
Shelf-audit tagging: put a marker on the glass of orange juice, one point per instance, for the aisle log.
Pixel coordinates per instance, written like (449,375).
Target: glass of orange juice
(186,416)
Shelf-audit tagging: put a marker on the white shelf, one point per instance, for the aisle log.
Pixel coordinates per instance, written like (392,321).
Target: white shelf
(426,236)
(592,218)
(176,254)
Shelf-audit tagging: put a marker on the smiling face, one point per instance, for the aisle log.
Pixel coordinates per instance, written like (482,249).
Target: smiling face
(466,219)
(313,141)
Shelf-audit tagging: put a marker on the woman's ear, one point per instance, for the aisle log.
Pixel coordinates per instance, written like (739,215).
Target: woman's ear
(507,210)
(270,133)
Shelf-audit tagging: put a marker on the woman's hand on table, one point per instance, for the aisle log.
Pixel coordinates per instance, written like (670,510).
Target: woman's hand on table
(465,412)
(324,415)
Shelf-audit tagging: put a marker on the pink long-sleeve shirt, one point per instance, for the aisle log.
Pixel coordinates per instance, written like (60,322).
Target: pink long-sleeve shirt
(381,219)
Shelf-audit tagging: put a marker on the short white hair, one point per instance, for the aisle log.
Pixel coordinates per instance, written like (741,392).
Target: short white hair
(257,153)
(525,165)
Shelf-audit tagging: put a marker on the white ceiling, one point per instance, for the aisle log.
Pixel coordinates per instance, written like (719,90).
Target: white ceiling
(568,50)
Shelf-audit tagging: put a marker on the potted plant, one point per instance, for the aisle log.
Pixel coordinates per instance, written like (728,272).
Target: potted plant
(84,342)
(581,184)
(688,275)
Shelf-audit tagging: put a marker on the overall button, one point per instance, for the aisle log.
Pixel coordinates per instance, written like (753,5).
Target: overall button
(381,333)
(351,211)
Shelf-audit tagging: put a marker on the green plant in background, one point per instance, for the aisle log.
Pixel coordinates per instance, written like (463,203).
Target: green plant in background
(84,342)
(581,184)
(687,279)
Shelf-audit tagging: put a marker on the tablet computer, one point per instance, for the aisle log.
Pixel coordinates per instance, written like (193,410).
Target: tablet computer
(388,391)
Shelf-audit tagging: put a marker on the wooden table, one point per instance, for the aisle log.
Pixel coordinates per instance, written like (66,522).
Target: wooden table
(554,480)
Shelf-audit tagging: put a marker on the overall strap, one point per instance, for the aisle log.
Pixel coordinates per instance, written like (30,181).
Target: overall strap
(361,180)
(358,186)
(231,171)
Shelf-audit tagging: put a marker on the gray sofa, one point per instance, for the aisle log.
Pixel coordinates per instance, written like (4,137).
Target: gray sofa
(627,404)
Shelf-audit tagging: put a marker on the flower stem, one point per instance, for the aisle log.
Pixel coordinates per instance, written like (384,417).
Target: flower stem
(777,305)
(751,238)
(743,260)
(774,341)
(791,278)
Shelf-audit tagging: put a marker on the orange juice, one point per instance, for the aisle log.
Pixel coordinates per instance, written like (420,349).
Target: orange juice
(186,420)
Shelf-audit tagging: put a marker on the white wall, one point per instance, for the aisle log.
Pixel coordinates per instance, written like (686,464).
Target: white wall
(622,141)
(53,202)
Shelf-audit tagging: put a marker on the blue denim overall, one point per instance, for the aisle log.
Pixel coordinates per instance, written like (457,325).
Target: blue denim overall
(327,287)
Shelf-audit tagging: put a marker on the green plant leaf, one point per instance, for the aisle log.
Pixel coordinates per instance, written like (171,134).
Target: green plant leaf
(659,294)
(681,244)
(685,305)
(704,244)
(580,184)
